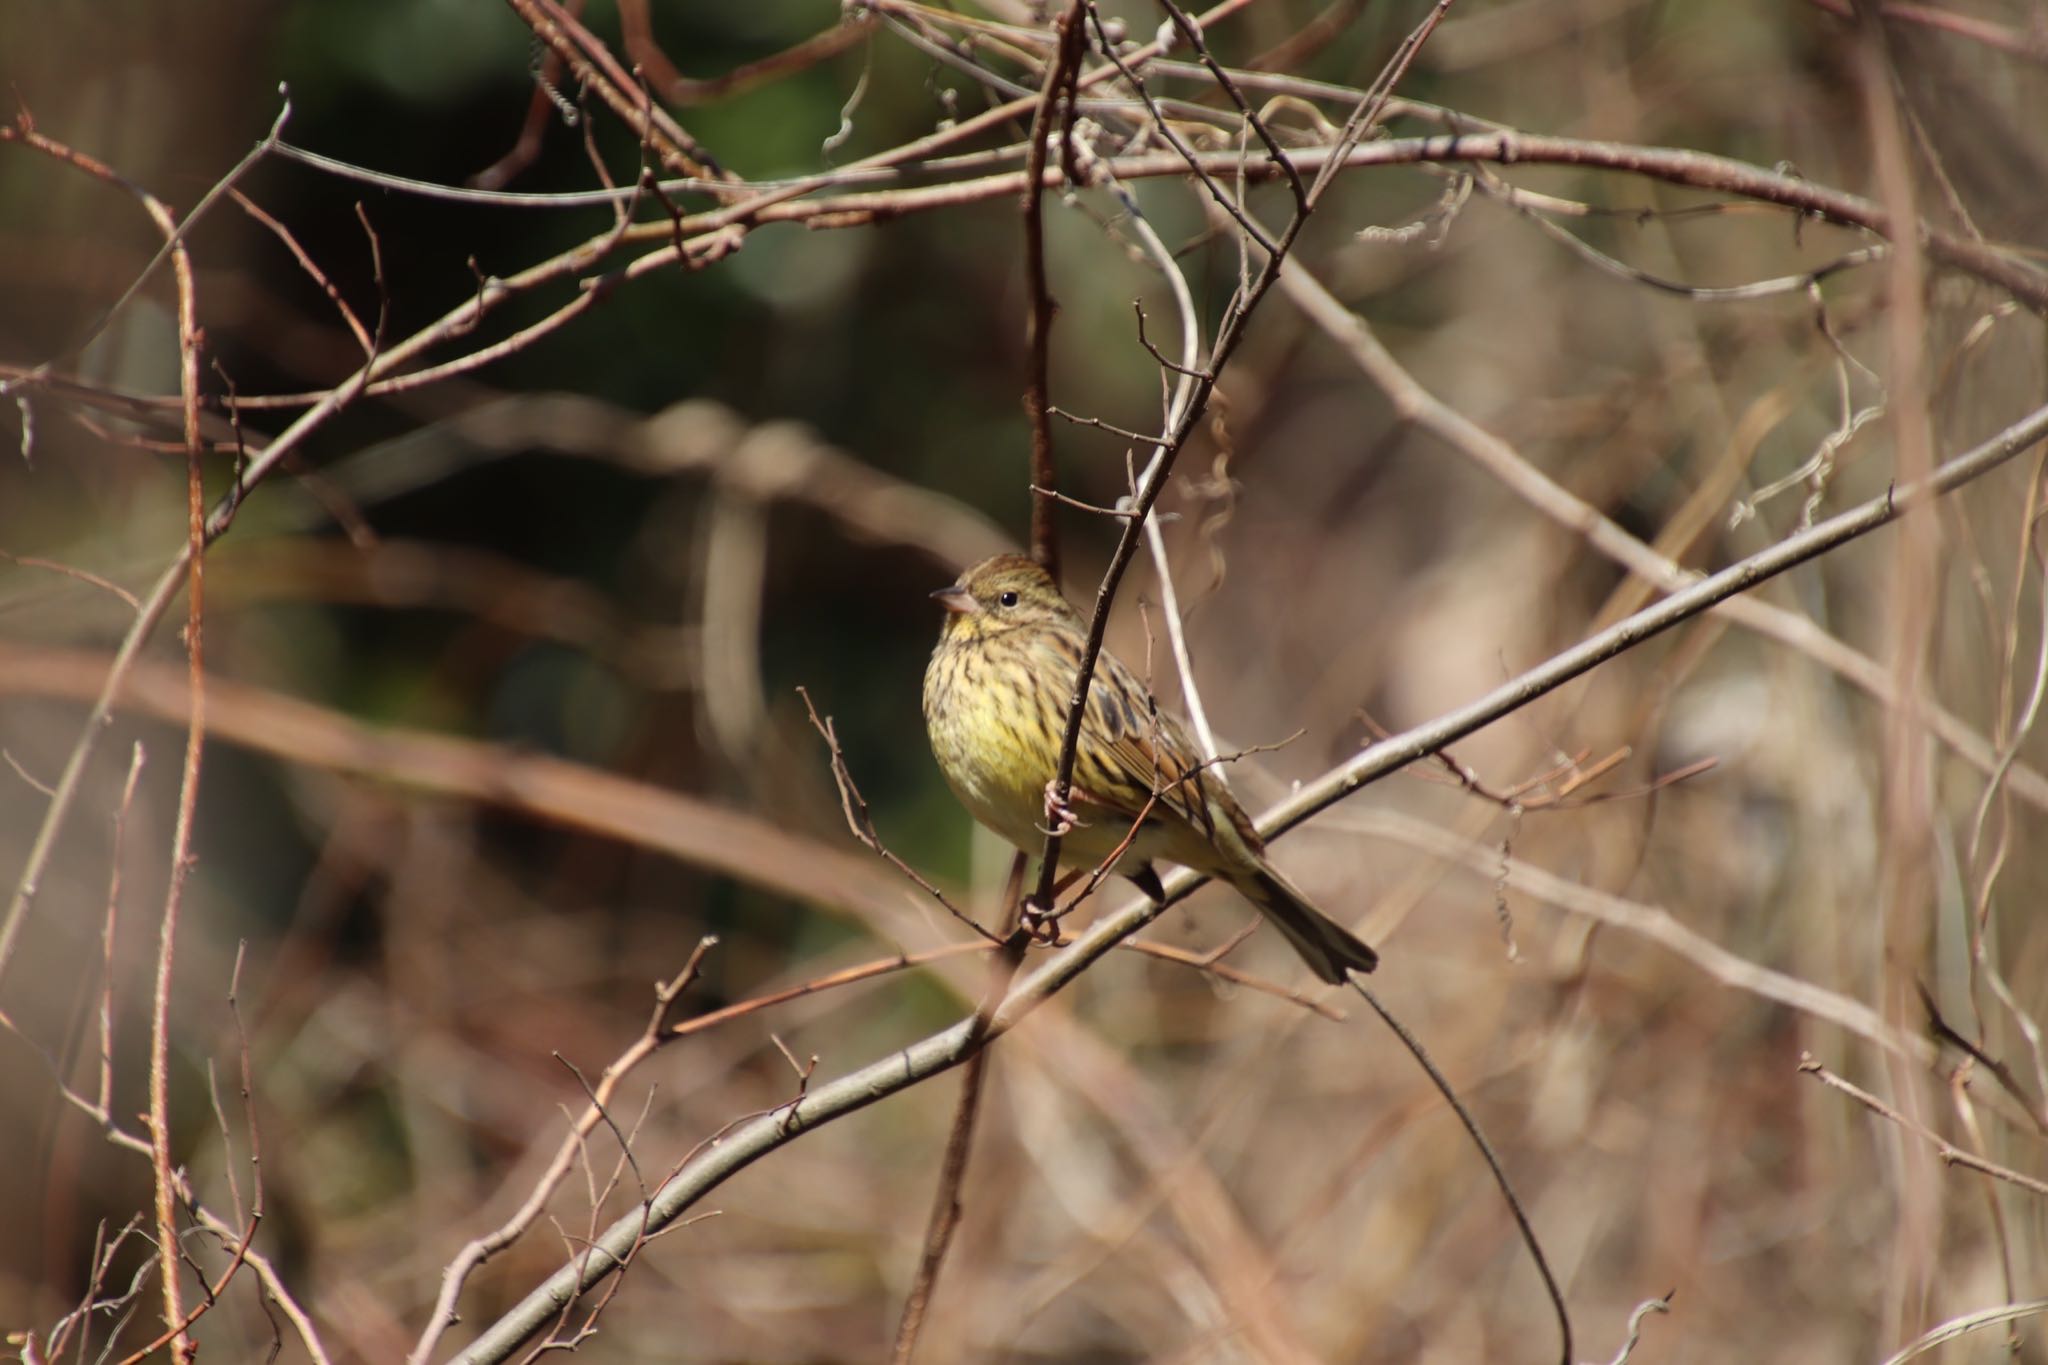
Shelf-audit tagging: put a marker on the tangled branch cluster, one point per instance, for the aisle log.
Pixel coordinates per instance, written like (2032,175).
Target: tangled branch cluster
(1816,784)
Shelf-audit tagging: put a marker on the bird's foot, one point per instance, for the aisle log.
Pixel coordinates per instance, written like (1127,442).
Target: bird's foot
(1059,816)
(1040,923)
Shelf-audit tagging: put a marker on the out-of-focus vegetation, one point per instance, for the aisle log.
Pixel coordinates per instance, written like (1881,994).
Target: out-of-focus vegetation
(626,541)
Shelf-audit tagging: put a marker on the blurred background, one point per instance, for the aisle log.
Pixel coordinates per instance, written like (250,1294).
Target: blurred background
(503,714)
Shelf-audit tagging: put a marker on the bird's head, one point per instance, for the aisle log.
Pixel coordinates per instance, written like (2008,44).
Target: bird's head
(1000,594)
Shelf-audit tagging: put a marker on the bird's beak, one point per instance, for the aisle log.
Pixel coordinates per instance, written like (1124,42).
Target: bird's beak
(953,597)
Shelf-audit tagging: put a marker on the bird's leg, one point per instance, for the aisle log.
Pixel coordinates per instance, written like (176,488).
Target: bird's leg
(1042,922)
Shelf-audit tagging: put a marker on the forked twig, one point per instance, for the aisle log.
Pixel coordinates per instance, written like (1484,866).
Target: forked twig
(1943,1148)
(862,824)
(658,1031)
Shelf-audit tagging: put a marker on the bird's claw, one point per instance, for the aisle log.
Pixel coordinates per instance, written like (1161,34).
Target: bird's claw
(1059,816)
(1040,923)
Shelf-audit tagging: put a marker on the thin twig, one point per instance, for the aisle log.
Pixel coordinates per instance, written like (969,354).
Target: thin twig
(944,1219)
(2016,42)
(1190,31)
(686,91)
(946,1205)
(116,858)
(594,66)
(2029,1105)
(1179,394)
(1964,1325)
(1487,1154)
(1210,962)
(1635,1324)
(657,1031)
(183,1349)
(1946,1150)
(242,1244)
(1165,130)
(82,575)
(1100,425)
(313,271)
(1081,506)
(848,976)
(1060,74)
(862,823)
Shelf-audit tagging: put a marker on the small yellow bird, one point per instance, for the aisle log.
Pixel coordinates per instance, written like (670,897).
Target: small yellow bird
(995,704)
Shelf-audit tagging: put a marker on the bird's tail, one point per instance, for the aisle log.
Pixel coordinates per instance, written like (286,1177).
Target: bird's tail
(1328,947)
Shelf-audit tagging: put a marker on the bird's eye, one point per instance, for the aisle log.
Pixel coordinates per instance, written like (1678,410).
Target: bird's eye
(1008,599)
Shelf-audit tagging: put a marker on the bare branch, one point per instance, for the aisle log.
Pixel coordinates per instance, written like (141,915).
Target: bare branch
(1948,1151)
(1060,75)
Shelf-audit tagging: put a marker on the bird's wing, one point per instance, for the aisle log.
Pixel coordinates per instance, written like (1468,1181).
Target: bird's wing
(1132,753)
